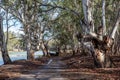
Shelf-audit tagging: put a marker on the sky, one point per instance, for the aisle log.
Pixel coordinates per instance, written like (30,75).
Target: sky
(15,26)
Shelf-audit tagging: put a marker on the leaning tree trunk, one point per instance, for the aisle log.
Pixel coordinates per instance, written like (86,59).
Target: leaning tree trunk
(114,30)
(44,49)
(116,25)
(43,46)
(3,45)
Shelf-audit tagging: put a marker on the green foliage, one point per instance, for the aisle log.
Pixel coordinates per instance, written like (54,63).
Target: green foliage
(13,41)
(65,24)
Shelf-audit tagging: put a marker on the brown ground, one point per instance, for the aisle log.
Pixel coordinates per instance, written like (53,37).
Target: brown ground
(56,68)
(84,65)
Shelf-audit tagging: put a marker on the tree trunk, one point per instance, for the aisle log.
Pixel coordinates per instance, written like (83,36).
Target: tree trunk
(107,42)
(116,25)
(30,52)
(3,45)
(87,9)
(43,46)
(44,49)
(6,58)
(103,17)
(90,28)
(100,58)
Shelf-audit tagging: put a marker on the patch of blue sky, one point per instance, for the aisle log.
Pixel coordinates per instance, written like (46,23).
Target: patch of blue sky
(14,25)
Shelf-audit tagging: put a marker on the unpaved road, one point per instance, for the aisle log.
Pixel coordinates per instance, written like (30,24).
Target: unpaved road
(55,69)
(51,71)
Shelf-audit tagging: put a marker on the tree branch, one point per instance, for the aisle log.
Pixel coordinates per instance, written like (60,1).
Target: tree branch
(60,7)
(116,25)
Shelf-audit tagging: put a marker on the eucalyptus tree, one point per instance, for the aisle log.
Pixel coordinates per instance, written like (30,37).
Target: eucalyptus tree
(5,19)
(3,45)
(102,60)
(26,12)
(66,24)
(3,40)
(71,16)
(33,17)
(90,20)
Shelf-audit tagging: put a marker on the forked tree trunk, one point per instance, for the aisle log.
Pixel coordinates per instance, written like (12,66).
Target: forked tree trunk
(103,57)
(100,58)
(3,46)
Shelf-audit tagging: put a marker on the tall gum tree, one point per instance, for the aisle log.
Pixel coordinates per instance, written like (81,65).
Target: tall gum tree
(3,45)
(25,12)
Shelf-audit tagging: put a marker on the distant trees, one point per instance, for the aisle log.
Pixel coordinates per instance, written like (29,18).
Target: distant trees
(34,17)
(13,41)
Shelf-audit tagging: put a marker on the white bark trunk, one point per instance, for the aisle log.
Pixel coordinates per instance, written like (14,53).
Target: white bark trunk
(116,25)
(87,9)
(84,4)
(3,45)
(30,51)
(103,17)
(43,46)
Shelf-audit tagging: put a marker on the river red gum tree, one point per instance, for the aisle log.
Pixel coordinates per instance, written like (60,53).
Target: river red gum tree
(99,54)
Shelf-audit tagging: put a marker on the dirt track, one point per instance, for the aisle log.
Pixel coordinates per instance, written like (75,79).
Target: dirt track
(55,69)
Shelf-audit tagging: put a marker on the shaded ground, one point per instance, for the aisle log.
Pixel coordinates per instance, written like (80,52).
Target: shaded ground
(67,68)
(83,66)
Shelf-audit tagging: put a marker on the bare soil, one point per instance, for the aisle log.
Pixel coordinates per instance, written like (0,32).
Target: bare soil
(56,68)
(84,66)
